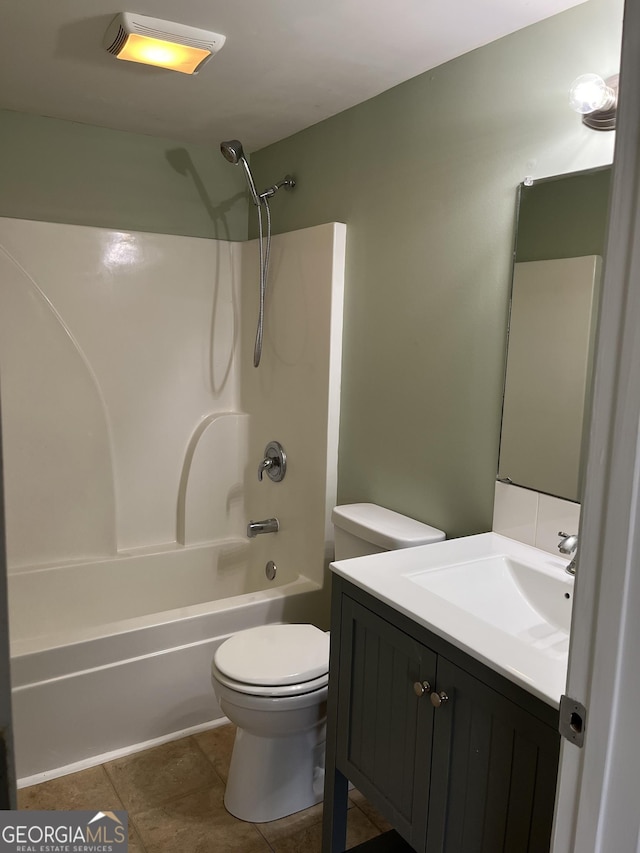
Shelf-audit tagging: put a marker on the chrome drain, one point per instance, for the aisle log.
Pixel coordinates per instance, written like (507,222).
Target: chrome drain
(270,570)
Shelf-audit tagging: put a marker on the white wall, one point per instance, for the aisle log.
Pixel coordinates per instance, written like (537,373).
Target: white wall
(114,346)
(132,415)
(294,396)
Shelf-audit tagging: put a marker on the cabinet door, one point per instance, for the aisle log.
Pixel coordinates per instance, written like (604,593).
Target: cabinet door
(384,727)
(493,772)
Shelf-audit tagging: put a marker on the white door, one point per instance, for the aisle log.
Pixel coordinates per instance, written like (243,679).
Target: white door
(598,804)
(7,773)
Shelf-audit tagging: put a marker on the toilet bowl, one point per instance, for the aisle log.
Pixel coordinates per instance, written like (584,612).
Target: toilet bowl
(271,682)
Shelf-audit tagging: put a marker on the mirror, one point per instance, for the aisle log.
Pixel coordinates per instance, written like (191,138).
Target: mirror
(559,243)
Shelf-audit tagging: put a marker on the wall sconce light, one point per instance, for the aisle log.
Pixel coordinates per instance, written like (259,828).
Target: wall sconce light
(596,99)
(151,41)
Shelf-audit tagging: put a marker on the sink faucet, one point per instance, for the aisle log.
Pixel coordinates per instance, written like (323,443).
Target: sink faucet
(269,525)
(568,545)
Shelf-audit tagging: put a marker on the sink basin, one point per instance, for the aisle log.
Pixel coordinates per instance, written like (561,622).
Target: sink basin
(515,597)
(503,602)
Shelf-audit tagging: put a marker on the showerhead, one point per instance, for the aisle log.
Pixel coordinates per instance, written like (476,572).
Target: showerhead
(232,151)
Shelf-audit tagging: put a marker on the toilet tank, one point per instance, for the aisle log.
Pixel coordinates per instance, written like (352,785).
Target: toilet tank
(362,529)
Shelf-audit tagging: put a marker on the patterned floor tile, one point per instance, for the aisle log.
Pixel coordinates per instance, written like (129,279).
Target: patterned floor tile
(217,745)
(309,839)
(198,823)
(161,774)
(87,789)
(374,816)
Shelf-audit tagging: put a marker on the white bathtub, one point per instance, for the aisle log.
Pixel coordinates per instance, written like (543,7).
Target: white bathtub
(112,654)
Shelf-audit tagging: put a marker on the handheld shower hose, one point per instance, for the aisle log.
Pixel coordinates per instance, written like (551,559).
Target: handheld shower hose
(233,152)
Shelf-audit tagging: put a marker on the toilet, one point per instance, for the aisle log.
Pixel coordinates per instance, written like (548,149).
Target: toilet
(271,681)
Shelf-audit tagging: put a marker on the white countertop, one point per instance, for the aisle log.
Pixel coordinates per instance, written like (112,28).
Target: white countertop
(469,610)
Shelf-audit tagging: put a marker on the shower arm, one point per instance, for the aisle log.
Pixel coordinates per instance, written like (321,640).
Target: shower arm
(288,182)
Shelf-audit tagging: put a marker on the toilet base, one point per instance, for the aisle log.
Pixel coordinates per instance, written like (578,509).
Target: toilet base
(271,777)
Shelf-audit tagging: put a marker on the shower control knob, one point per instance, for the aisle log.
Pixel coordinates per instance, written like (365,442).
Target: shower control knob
(274,462)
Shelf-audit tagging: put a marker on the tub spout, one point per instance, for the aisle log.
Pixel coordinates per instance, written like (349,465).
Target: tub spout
(269,525)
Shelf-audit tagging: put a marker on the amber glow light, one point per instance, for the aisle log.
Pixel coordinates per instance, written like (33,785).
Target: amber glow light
(165,54)
(165,44)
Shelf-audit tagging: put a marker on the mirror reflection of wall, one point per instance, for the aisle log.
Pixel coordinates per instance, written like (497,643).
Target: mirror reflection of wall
(561,234)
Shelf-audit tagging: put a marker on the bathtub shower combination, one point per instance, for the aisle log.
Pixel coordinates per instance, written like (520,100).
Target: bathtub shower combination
(133,427)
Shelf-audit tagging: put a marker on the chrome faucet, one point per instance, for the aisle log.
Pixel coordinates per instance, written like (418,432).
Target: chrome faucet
(568,545)
(269,525)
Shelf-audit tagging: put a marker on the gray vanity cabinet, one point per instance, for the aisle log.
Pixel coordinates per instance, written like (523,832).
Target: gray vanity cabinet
(498,766)
(476,774)
(385,733)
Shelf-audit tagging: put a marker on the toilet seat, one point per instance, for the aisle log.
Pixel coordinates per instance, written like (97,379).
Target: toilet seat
(270,690)
(274,660)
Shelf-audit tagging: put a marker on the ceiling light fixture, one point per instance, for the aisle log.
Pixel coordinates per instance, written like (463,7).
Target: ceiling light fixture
(151,41)
(596,99)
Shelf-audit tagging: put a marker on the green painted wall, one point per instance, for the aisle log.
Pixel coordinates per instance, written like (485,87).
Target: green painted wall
(62,171)
(564,217)
(425,176)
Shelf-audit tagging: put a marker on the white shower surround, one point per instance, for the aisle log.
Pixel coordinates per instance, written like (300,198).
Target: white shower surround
(133,424)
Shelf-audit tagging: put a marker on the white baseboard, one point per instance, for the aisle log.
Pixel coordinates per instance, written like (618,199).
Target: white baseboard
(95,760)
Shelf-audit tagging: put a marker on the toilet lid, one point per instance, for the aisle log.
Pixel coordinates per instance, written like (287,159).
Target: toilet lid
(272,691)
(275,654)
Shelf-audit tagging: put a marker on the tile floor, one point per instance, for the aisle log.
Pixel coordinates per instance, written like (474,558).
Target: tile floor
(173,794)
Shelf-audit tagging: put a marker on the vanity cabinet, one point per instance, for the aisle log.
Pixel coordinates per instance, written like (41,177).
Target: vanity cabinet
(457,758)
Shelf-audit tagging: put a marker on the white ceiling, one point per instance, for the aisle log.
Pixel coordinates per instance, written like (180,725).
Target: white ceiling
(286,64)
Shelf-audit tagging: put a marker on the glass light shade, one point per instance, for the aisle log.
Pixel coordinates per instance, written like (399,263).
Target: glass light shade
(165,54)
(589,93)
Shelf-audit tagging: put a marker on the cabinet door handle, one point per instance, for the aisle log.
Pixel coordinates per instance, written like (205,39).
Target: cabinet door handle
(421,687)
(438,699)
